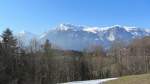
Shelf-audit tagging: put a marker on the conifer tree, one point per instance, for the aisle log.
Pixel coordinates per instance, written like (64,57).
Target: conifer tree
(47,46)
(8,57)
(8,38)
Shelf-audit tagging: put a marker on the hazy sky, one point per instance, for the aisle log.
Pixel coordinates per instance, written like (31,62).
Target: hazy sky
(38,16)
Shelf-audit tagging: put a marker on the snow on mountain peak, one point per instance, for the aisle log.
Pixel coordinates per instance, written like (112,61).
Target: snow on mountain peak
(78,37)
(127,28)
(65,27)
(91,29)
(116,26)
(102,29)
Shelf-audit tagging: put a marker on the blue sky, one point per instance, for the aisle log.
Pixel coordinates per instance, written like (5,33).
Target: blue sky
(38,16)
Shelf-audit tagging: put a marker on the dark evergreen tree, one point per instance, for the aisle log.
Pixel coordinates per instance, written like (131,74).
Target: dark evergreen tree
(47,63)
(8,57)
(8,38)
(47,46)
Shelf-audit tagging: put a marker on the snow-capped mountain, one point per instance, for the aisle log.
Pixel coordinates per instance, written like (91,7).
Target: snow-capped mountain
(78,37)
(25,36)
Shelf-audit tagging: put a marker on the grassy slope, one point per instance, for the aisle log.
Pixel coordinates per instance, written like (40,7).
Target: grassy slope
(135,79)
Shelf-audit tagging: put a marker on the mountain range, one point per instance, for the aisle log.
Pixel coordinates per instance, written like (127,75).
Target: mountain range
(78,37)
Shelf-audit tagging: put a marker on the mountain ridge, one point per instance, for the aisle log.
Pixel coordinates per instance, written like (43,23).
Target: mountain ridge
(79,37)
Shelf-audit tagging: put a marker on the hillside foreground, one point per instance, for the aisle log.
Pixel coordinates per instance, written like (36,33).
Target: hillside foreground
(134,79)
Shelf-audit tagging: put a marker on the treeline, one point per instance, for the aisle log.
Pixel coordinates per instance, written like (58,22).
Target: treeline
(42,64)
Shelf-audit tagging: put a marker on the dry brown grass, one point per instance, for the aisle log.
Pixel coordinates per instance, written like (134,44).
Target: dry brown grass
(135,79)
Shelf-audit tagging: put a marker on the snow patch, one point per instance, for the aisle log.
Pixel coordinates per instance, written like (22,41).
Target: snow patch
(111,37)
(130,28)
(93,29)
(98,81)
(65,27)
